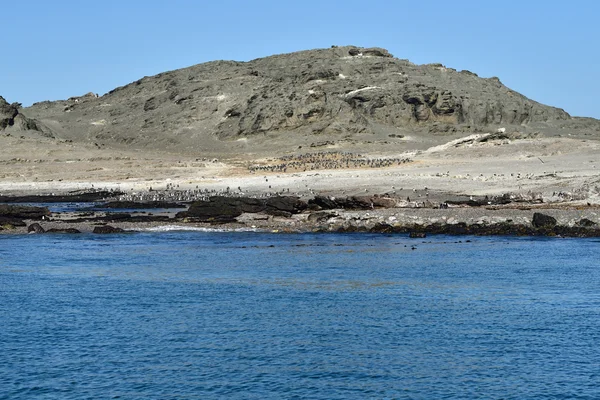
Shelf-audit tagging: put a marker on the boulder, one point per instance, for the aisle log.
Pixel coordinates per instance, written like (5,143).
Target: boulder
(586,223)
(35,228)
(543,221)
(107,229)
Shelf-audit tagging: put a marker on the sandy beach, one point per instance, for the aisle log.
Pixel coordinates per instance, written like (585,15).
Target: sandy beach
(558,169)
(554,175)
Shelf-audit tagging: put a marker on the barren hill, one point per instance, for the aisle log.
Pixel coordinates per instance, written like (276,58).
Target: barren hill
(346,96)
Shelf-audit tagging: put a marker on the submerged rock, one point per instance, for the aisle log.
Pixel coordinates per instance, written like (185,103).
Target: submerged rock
(226,209)
(35,228)
(417,235)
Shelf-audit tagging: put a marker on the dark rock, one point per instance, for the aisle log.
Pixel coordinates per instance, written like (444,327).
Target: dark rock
(417,235)
(284,205)
(348,229)
(23,212)
(226,209)
(498,229)
(323,202)
(586,222)
(383,202)
(107,229)
(11,117)
(35,228)
(347,203)
(63,230)
(382,228)
(221,209)
(8,112)
(114,217)
(321,216)
(355,203)
(543,221)
(10,221)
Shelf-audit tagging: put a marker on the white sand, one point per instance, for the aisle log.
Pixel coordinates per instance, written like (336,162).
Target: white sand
(546,165)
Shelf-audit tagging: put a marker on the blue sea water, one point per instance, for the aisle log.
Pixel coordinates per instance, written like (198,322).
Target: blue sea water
(201,315)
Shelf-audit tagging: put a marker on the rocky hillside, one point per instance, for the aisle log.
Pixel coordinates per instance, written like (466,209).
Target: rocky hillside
(327,94)
(12,119)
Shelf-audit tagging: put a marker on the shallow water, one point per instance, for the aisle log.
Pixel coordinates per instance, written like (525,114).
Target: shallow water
(165,315)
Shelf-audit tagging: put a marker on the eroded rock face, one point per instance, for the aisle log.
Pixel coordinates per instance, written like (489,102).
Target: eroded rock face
(337,91)
(35,228)
(543,221)
(8,112)
(11,117)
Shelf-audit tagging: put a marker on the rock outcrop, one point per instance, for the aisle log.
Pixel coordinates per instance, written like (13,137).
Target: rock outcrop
(8,112)
(105,229)
(11,118)
(220,209)
(540,220)
(336,93)
(23,212)
(35,228)
(352,202)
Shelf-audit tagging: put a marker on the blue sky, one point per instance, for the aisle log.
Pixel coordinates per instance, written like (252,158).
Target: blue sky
(55,49)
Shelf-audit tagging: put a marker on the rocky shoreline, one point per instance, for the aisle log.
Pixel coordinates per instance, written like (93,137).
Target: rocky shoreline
(374,214)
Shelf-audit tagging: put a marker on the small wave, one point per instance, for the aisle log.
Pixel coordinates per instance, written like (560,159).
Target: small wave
(175,228)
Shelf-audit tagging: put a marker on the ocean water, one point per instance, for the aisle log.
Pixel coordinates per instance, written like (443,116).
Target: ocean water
(202,315)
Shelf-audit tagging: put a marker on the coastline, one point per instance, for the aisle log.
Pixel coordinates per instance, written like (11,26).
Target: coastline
(459,187)
(574,219)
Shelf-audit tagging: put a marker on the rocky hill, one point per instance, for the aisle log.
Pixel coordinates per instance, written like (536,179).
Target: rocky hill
(335,94)
(12,119)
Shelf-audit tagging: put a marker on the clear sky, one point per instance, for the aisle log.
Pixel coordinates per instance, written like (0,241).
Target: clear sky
(55,49)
